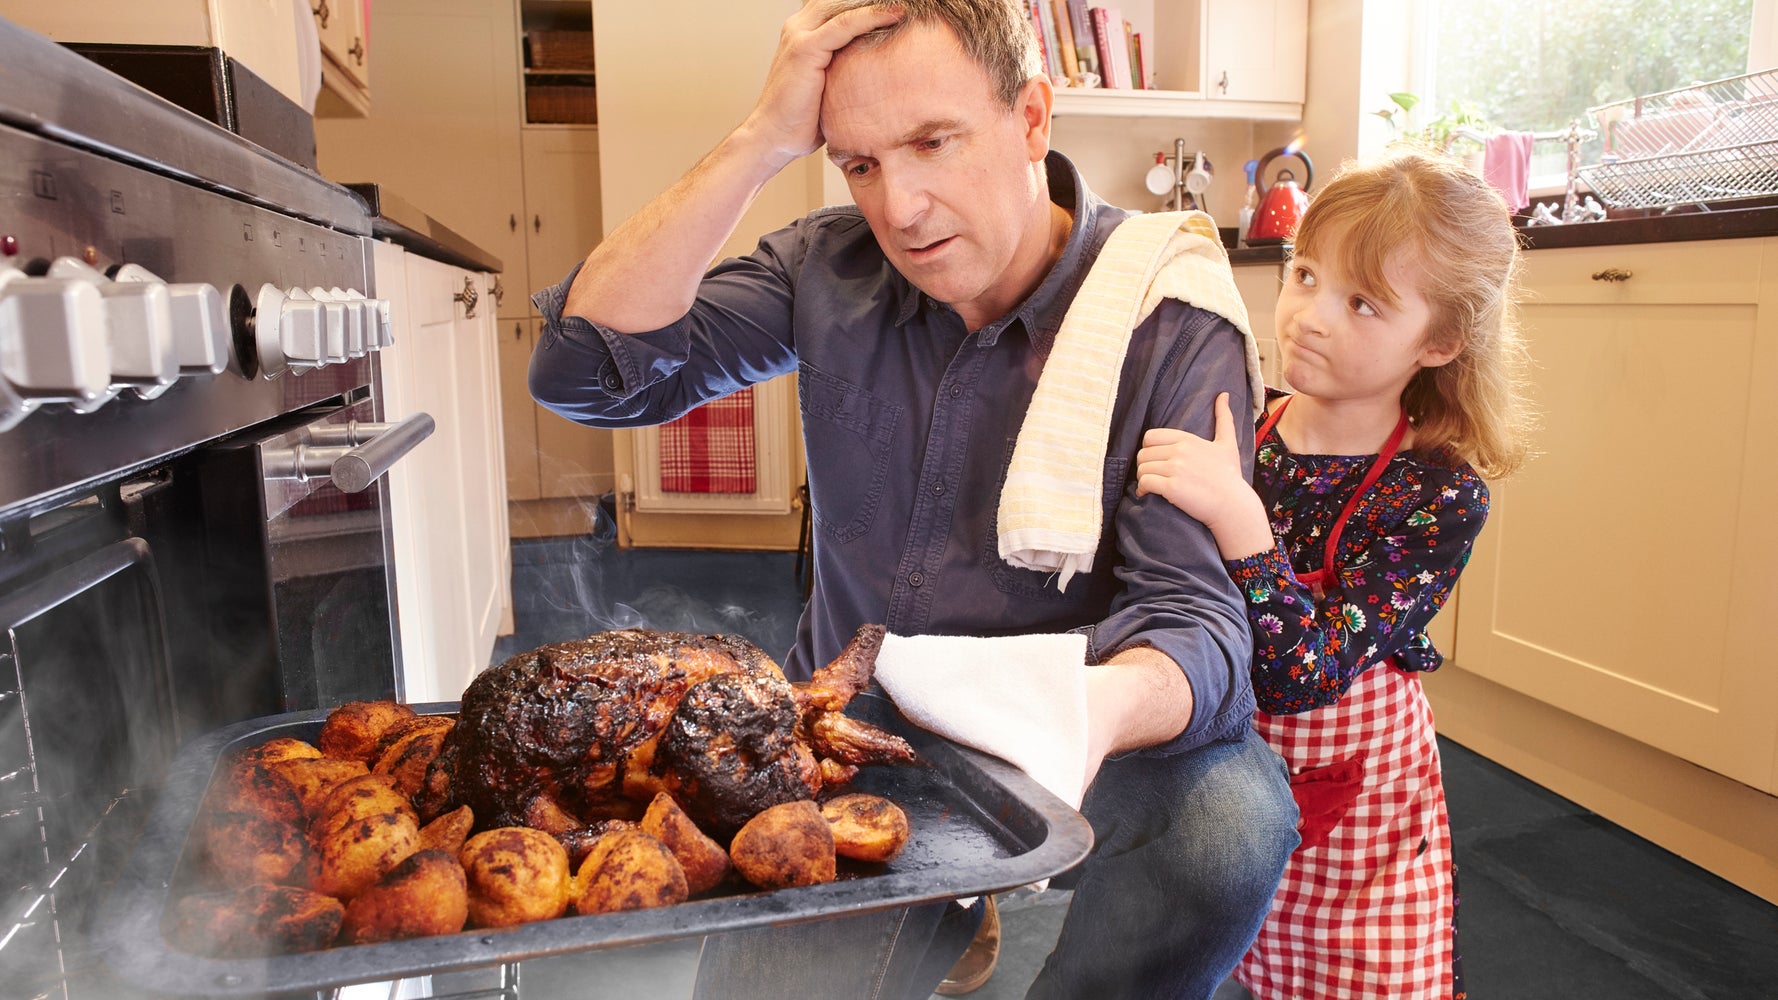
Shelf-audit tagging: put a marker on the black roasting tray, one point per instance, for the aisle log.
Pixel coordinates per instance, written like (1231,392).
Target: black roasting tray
(979,826)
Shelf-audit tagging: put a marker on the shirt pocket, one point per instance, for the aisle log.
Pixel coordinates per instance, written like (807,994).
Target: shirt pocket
(849,433)
(1041,585)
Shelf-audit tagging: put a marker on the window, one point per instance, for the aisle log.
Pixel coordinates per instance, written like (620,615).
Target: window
(1535,65)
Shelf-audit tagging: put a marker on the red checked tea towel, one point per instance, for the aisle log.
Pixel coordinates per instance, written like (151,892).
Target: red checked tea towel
(710,449)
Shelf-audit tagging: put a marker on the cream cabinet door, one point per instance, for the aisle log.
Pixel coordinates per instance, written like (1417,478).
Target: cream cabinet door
(1256,50)
(444,133)
(518,412)
(448,498)
(1623,576)
(1258,285)
(341,24)
(563,221)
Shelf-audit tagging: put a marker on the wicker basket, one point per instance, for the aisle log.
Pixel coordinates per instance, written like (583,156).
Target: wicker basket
(567,50)
(553,104)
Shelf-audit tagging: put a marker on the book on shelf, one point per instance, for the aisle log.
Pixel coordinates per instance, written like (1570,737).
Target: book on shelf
(1065,42)
(1138,60)
(1114,53)
(1034,12)
(1086,50)
(1052,41)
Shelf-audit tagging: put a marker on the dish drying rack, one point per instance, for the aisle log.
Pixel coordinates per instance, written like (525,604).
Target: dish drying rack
(1711,142)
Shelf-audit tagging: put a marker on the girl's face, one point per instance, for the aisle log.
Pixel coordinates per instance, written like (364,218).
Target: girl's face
(1337,340)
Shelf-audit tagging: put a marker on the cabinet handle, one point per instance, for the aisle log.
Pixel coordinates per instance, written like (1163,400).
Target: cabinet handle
(537,223)
(322,13)
(1612,274)
(518,331)
(498,291)
(468,297)
(357,51)
(512,221)
(1223,84)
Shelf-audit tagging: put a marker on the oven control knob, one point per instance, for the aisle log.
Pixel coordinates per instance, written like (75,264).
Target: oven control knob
(287,331)
(385,325)
(333,323)
(53,343)
(200,322)
(139,322)
(350,329)
(360,320)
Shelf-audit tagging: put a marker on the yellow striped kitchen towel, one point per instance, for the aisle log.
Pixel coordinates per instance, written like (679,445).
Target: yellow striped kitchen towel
(1050,515)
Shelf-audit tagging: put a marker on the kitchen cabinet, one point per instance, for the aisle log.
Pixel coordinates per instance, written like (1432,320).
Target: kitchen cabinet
(1610,640)
(1244,59)
(345,57)
(555,469)
(564,220)
(1258,285)
(452,556)
(1621,576)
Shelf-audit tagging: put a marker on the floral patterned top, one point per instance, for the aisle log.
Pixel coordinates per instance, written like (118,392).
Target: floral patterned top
(1399,555)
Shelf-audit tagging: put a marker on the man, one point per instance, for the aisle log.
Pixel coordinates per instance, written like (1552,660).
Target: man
(919,322)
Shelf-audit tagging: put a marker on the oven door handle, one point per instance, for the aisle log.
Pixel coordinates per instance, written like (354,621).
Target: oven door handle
(354,454)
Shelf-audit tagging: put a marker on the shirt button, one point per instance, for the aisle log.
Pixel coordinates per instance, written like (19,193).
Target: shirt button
(611,381)
(916,578)
(938,489)
(956,391)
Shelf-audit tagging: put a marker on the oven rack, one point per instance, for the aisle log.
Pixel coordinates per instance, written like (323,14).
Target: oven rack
(1697,145)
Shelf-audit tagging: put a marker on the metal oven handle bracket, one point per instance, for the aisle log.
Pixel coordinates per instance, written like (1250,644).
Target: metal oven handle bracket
(354,454)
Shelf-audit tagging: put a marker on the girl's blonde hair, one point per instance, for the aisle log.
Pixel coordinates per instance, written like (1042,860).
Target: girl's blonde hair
(1456,230)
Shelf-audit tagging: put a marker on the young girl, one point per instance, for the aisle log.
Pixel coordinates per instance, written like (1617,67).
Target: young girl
(1394,332)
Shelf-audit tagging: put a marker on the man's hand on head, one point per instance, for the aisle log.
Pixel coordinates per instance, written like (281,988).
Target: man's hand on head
(787,118)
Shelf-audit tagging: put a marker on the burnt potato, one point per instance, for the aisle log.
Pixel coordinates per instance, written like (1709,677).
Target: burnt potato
(402,728)
(406,758)
(705,863)
(279,748)
(255,921)
(241,849)
(628,870)
(352,730)
(355,853)
(866,827)
(358,798)
(516,875)
(448,832)
(256,789)
(315,777)
(579,842)
(425,894)
(786,845)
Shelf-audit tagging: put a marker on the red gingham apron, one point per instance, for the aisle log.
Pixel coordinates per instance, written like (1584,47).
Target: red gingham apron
(1367,912)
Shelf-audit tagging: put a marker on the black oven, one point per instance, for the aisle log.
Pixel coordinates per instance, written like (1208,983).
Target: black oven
(192,528)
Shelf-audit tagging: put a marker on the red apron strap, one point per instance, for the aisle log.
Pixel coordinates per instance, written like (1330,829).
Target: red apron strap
(1317,580)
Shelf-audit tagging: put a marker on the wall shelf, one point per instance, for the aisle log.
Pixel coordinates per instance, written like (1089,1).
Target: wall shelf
(1167,104)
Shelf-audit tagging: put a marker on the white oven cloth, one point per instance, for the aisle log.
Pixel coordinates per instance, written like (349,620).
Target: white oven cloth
(1022,698)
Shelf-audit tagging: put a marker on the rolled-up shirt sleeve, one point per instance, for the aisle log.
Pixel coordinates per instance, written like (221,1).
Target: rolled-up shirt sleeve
(737,333)
(1177,596)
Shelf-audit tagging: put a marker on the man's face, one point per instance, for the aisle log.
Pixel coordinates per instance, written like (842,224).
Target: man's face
(945,174)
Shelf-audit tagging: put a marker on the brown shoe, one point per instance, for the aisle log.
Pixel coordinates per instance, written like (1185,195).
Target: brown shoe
(972,970)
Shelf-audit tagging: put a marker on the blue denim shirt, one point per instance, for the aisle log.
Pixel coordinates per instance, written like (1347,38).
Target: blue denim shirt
(909,421)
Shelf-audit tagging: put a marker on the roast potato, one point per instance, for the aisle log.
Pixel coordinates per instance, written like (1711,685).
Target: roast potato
(788,844)
(280,748)
(357,853)
(580,841)
(628,870)
(358,798)
(407,758)
(516,875)
(403,728)
(314,777)
(423,895)
(448,832)
(352,730)
(241,849)
(705,863)
(866,827)
(257,789)
(254,921)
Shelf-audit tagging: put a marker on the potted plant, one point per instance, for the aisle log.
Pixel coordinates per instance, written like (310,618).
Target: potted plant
(1441,131)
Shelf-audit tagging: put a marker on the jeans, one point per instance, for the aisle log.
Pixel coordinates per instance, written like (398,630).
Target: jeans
(1187,853)
(1188,850)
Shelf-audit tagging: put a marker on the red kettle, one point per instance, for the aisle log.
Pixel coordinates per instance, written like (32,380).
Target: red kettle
(1281,205)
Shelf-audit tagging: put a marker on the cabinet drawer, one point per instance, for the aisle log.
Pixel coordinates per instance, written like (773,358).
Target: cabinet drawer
(1717,271)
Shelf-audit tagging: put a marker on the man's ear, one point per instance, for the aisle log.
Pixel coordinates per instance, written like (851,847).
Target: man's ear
(1034,105)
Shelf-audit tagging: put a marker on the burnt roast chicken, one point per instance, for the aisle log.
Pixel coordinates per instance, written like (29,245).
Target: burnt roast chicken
(567,736)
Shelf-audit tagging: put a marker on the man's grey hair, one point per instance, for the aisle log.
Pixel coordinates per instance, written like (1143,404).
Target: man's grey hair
(995,34)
